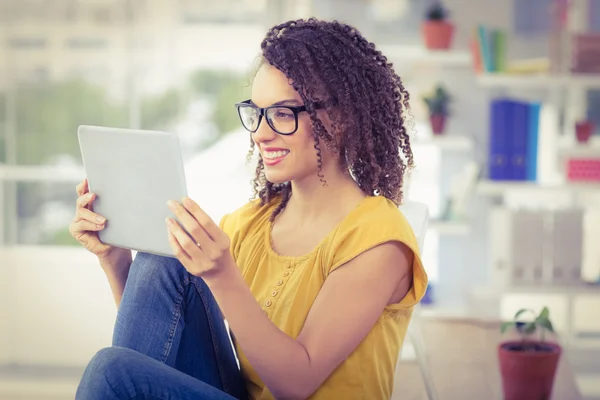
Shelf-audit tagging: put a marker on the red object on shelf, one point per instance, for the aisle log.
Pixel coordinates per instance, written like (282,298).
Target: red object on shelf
(438,35)
(583,170)
(438,123)
(584,130)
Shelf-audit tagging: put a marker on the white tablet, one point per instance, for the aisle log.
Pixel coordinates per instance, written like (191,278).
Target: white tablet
(133,173)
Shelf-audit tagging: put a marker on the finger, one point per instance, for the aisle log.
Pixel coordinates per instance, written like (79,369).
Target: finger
(85,226)
(203,218)
(82,188)
(88,215)
(178,251)
(183,239)
(189,223)
(85,200)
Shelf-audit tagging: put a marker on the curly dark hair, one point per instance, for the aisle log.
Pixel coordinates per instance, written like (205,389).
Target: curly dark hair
(331,63)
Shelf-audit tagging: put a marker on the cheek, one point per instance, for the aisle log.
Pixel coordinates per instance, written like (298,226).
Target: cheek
(303,143)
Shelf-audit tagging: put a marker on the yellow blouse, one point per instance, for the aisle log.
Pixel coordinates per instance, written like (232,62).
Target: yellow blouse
(286,288)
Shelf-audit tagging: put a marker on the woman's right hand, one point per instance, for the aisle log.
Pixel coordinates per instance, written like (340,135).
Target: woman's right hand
(87,223)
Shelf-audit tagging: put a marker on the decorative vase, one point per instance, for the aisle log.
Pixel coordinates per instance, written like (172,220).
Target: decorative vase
(438,35)
(438,123)
(528,373)
(583,131)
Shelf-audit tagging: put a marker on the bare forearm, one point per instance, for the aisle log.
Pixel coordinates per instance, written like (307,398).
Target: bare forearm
(282,362)
(116,271)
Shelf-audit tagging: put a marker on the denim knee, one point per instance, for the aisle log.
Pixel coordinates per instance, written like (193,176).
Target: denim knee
(154,268)
(104,376)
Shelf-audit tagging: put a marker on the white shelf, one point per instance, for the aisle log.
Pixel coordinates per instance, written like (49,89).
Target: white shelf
(545,288)
(580,150)
(447,142)
(539,80)
(449,227)
(419,54)
(499,188)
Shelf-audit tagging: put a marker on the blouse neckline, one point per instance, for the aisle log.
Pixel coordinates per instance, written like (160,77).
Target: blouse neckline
(294,259)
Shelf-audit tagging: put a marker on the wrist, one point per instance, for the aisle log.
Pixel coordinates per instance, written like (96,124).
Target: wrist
(117,261)
(218,276)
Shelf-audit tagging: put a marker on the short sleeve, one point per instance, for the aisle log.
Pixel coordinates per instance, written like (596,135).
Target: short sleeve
(223,225)
(363,234)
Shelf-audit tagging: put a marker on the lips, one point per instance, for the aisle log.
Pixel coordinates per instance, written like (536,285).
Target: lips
(272,156)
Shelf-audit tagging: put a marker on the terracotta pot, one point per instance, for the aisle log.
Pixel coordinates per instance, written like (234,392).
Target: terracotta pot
(438,35)
(583,131)
(438,123)
(528,374)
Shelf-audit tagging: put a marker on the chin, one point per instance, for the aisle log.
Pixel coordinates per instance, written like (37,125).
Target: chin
(276,177)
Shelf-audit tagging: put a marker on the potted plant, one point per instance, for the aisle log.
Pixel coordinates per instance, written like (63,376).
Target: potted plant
(584,130)
(437,31)
(528,365)
(438,103)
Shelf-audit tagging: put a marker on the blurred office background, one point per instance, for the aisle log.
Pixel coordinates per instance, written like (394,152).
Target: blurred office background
(493,245)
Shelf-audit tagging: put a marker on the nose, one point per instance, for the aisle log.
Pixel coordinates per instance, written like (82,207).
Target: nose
(264,133)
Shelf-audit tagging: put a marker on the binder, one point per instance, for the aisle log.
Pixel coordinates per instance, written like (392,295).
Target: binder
(499,155)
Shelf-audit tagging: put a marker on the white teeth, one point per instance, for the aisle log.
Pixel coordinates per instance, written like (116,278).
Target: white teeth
(275,154)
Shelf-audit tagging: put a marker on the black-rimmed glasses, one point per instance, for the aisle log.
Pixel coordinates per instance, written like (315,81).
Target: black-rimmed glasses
(282,119)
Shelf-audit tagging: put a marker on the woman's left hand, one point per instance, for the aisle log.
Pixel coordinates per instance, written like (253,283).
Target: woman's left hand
(205,249)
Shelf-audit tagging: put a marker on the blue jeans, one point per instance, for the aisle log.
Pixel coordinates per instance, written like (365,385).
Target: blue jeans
(169,342)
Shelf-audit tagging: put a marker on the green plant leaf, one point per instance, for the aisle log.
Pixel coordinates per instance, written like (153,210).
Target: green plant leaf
(506,326)
(529,328)
(522,311)
(544,314)
(545,323)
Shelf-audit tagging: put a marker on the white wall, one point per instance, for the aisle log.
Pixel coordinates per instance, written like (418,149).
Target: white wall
(56,307)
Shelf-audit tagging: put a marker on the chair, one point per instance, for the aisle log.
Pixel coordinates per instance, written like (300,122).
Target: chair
(417,215)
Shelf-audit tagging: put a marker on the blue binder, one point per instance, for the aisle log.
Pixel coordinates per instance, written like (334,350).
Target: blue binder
(499,151)
(518,138)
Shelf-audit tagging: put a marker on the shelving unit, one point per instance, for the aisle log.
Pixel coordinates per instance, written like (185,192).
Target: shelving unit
(448,142)
(450,228)
(499,188)
(541,81)
(418,54)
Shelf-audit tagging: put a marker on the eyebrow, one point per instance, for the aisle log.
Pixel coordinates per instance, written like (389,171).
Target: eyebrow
(286,102)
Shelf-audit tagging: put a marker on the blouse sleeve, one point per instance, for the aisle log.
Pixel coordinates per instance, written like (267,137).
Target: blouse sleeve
(356,237)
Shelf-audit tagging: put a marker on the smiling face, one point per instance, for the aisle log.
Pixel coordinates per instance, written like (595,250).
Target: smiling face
(285,157)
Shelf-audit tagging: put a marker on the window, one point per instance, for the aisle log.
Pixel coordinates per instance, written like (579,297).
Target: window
(87,43)
(38,186)
(25,43)
(195,12)
(33,75)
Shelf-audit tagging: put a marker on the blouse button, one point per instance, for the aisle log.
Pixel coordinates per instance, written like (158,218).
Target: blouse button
(268,303)
(279,282)
(286,273)
(274,293)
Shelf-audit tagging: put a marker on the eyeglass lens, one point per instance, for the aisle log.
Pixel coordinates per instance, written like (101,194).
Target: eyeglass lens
(281,119)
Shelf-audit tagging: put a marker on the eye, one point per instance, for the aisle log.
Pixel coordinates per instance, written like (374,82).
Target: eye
(284,113)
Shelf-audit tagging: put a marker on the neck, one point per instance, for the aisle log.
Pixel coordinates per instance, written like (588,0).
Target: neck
(312,200)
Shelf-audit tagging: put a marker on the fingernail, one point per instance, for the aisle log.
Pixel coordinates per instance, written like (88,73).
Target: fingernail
(89,195)
(186,201)
(99,226)
(100,219)
(171,204)
(169,221)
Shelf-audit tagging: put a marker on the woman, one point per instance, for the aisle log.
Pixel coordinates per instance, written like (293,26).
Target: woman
(317,277)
